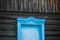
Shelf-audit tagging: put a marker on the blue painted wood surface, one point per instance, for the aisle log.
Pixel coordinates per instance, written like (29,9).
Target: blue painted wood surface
(25,24)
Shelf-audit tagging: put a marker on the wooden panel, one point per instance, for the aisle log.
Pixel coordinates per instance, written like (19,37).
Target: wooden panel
(52,27)
(14,38)
(50,6)
(52,38)
(7,33)
(8,27)
(7,38)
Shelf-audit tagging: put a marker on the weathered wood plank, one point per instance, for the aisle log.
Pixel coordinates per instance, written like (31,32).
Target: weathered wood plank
(15,15)
(8,27)
(52,33)
(51,6)
(14,38)
(52,38)
(7,33)
(8,38)
(13,27)
(13,5)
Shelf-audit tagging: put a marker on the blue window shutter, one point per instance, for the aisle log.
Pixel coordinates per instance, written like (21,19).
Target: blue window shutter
(30,29)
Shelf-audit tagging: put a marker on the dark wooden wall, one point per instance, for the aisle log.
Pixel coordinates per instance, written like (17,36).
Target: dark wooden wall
(8,25)
(30,5)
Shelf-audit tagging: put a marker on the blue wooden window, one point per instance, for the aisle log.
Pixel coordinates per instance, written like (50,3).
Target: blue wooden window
(30,29)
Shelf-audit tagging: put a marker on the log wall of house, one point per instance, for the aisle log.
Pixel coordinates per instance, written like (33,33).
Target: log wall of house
(30,5)
(8,28)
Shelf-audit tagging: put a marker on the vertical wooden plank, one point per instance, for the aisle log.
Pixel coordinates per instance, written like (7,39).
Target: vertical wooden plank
(56,5)
(23,4)
(40,5)
(16,5)
(29,5)
(59,6)
(0,5)
(19,5)
(35,5)
(25,7)
(13,5)
(8,5)
(4,5)
(46,6)
(51,6)
(43,6)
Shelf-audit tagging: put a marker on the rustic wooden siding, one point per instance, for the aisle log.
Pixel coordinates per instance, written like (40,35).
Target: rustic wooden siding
(8,25)
(30,5)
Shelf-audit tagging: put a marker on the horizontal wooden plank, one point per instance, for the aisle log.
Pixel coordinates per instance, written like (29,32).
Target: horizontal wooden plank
(52,38)
(7,21)
(52,33)
(13,27)
(31,13)
(7,33)
(11,20)
(7,38)
(45,16)
(13,33)
(7,27)
(14,38)
(47,22)
(9,24)
(52,27)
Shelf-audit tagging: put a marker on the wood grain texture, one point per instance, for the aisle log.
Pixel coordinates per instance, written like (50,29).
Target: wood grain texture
(8,28)
(50,6)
